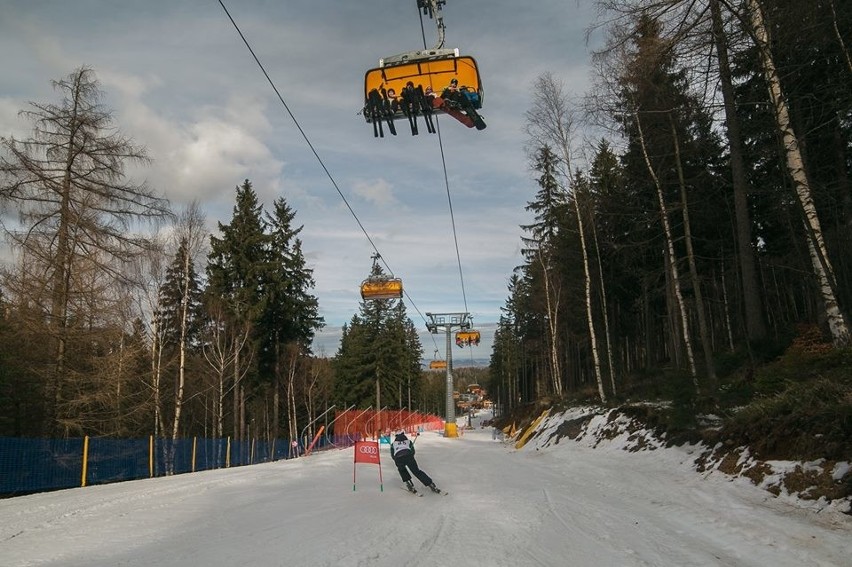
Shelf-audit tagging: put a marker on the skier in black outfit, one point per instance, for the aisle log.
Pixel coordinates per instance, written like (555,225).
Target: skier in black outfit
(454,95)
(374,109)
(402,452)
(425,104)
(410,105)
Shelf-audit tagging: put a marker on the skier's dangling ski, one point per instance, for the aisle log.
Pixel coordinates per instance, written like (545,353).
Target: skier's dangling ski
(425,104)
(410,105)
(374,107)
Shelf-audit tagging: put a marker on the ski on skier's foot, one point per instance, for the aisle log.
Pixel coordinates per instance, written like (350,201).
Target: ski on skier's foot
(412,491)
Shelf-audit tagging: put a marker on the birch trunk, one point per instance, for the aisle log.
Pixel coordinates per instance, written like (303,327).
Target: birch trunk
(220,351)
(703,330)
(292,425)
(276,389)
(156,365)
(309,404)
(670,256)
(839,37)
(243,434)
(184,321)
(552,326)
(220,406)
(605,311)
(236,392)
(596,359)
(795,166)
(215,351)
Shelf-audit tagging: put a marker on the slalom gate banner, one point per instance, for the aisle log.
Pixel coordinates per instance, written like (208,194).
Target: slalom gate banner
(367,452)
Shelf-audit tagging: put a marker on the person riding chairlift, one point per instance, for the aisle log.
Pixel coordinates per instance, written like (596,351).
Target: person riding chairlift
(458,96)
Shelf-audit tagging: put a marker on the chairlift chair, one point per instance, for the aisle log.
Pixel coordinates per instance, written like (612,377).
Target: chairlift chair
(381,288)
(427,68)
(467,338)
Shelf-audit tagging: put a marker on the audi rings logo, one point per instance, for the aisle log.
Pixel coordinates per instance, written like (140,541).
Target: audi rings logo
(368,450)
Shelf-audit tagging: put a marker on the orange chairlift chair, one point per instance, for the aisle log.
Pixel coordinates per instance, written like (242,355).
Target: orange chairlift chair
(379,285)
(428,70)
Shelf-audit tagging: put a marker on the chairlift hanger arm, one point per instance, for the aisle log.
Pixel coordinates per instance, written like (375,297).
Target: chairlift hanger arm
(432,8)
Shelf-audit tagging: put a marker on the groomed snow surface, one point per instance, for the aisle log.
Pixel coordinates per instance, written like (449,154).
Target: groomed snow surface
(550,503)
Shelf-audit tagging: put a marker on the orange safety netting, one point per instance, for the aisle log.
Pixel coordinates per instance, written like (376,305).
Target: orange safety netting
(362,424)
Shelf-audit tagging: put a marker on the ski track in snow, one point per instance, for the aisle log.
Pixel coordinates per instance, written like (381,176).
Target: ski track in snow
(548,504)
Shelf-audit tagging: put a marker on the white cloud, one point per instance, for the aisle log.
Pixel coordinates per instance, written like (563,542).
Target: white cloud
(378,192)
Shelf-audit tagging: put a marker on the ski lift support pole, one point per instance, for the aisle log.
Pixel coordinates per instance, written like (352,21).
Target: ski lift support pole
(445,322)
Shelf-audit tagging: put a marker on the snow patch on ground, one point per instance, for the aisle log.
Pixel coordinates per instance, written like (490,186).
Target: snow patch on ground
(800,483)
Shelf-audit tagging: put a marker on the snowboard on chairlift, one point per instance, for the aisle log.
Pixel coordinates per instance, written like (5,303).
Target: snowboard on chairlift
(455,112)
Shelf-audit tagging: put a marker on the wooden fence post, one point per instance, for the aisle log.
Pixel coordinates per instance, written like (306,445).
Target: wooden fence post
(85,459)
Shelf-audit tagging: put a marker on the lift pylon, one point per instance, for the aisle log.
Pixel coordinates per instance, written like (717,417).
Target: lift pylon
(445,323)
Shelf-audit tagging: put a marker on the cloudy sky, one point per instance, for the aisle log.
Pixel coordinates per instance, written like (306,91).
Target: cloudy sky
(181,82)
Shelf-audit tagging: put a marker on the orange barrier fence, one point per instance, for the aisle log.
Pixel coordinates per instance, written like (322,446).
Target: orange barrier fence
(354,425)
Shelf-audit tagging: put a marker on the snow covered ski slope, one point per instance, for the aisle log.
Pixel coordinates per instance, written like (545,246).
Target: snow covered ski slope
(559,505)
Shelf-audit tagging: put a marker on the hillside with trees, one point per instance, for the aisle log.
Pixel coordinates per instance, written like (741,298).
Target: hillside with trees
(696,256)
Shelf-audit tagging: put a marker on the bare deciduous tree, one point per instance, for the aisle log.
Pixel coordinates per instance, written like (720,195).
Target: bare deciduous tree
(75,203)
(550,121)
(190,235)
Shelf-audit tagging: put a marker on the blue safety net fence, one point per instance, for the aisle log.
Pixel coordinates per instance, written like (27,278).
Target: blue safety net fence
(38,465)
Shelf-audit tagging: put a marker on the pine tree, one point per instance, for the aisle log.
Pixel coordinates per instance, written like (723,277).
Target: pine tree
(671,140)
(549,207)
(290,313)
(354,377)
(235,270)
(379,354)
(180,275)
(181,312)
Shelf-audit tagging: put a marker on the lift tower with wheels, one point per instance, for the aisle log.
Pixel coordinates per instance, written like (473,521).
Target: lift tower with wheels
(446,323)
